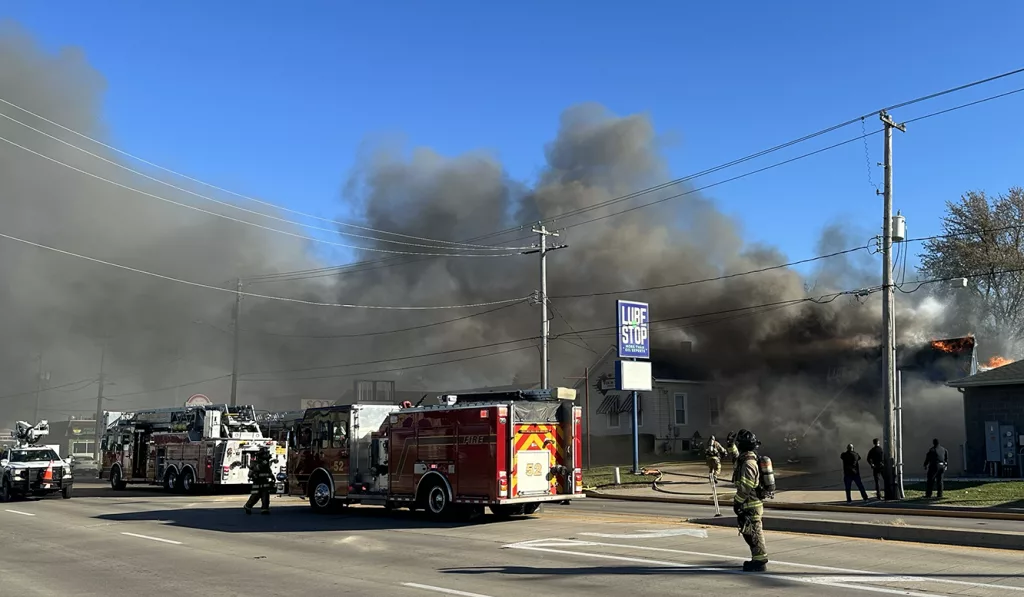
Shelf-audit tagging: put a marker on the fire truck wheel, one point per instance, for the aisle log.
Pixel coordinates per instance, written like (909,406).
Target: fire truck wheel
(437,500)
(188,481)
(529,509)
(320,498)
(115,480)
(171,480)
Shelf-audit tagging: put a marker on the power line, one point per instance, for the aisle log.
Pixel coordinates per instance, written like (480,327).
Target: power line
(164,389)
(784,145)
(30,392)
(387,360)
(246,222)
(255,295)
(212,186)
(385,262)
(251,211)
(382,332)
(715,279)
(405,368)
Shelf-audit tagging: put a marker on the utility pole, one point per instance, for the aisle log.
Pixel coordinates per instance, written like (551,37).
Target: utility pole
(542,296)
(41,377)
(99,403)
(889,432)
(237,314)
(586,407)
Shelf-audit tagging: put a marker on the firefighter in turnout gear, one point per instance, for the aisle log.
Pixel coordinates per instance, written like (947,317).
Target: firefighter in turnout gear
(754,481)
(262,478)
(713,453)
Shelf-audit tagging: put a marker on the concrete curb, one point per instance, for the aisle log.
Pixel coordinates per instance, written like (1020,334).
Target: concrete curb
(770,505)
(864,530)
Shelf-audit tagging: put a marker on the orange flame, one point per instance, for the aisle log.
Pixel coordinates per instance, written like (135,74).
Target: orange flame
(953,345)
(998,362)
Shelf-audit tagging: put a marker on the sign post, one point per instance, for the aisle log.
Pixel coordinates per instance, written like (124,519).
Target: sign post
(634,342)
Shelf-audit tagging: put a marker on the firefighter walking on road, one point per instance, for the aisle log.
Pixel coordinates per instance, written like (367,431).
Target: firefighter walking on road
(713,454)
(752,486)
(262,478)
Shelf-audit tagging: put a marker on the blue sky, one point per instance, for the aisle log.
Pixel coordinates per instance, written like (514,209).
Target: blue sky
(274,99)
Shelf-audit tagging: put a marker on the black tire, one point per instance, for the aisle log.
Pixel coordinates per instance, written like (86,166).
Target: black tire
(530,509)
(116,482)
(436,500)
(187,482)
(5,491)
(171,480)
(321,499)
(65,492)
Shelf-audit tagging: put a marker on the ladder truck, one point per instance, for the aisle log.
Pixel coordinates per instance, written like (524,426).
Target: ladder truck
(186,448)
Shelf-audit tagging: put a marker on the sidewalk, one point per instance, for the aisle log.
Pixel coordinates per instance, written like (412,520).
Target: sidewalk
(687,483)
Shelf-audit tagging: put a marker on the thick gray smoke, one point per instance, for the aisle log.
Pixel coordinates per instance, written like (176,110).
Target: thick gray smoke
(162,334)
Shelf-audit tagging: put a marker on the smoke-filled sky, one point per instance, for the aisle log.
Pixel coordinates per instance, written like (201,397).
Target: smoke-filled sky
(160,334)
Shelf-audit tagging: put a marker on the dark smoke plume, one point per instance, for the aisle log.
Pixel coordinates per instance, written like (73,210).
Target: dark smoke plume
(64,307)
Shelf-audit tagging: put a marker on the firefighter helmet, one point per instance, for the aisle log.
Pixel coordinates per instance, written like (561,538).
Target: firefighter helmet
(746,440)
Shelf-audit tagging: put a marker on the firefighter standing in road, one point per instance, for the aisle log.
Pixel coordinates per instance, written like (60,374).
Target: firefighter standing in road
(714,452)
(262,478)
(935,461)
(747,502)
(875,459)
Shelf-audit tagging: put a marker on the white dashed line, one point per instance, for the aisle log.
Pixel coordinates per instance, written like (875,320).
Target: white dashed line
(22,513)
(153,538)
(441,590)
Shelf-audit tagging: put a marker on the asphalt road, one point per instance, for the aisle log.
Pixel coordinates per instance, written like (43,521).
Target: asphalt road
(107,544)
(687,511)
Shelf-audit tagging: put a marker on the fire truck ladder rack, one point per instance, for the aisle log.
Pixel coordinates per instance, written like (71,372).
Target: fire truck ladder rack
(553,394)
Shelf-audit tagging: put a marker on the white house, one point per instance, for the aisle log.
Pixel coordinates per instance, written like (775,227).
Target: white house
(670,415)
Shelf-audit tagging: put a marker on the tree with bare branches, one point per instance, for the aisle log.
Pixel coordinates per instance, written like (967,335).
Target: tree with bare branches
(983,240)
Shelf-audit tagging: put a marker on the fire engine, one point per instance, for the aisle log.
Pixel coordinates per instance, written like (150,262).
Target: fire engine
(509,451)
(185,448)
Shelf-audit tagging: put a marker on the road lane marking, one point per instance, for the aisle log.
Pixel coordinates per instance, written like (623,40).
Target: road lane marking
(861,575)
(20,512)
(699,533)
(806,580)
(153,538)
(442,590)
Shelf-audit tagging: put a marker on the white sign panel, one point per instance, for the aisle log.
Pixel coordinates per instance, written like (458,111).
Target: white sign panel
(633,376)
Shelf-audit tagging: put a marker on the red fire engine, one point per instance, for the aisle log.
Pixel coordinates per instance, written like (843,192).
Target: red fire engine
(510,451)
(185,448)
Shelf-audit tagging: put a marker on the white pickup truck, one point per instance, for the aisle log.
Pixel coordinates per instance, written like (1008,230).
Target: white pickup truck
(24,473)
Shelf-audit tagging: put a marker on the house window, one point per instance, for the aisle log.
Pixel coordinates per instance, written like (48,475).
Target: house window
(681,414)
(83,447)
(613,420)
(714,410)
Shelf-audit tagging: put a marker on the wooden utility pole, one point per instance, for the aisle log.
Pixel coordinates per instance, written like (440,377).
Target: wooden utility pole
(237,315)
(542,296)
(586,407)
(889,431)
